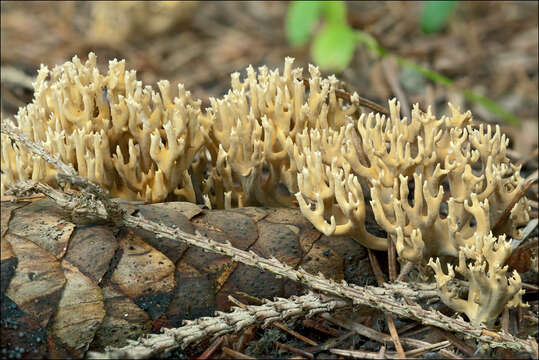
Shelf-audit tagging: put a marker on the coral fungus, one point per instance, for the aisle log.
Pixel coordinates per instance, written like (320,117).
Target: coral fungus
(436,186)
(134,142)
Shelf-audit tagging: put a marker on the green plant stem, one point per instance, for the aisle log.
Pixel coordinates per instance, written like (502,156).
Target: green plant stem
(490,105)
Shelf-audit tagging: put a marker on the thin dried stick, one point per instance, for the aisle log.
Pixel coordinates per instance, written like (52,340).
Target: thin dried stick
(405,328)
(505,320)
(360,329)
(519,319)
(278,324)
(224,323)
(391,259)
(381,337)
(294,350)
(530,287)
(390,322)
(405,270)
(295,334)
(385,299)
(235,354)
(358,354)
(331,343)
(247,335)
(378,274)
(428,348)
(395,336)
(210,351)
(317,325)
(420,343)
(362,101)
(458,343)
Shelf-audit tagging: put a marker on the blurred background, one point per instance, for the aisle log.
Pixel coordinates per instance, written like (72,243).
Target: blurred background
(481,56)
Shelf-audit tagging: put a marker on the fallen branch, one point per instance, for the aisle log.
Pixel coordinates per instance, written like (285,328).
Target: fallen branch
(224,323)
(92,202)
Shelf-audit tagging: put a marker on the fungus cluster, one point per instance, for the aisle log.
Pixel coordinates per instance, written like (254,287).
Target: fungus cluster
(436,186)
(133,141)
(433,184)
(256,128)
(489,291)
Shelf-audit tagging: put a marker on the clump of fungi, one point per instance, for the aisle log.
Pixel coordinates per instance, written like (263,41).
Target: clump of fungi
(436,186)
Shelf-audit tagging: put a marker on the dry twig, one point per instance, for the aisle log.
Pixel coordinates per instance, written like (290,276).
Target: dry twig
(224,323)
(210,351)
(362,101)
(459,344)
(295,334)
(358,354)
(295,350)
(381,337)
(360,329)
(408,266)
(317,325)
(428,348)
(391,259)
(235,354)
(389,319)
(277,323)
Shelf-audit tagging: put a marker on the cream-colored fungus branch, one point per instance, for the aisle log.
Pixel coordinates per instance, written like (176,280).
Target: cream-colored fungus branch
(133,141)
(408,167)
(256,126)
(489,291)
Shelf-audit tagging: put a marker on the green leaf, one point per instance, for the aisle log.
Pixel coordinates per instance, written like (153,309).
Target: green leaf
(434,76)
(435,15)
(493,107)
(301,18)
(370,42)
(333,47)
(335,12)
